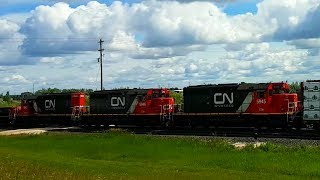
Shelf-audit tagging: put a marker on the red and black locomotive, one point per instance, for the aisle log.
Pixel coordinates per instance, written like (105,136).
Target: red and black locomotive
(268,104)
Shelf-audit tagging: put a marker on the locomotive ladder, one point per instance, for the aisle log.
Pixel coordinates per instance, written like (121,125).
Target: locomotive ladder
(12,116)
(291,109)
(76,112)
(166,116)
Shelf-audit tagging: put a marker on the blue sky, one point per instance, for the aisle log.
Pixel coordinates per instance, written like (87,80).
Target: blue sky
(154,43)
(241,7)
(19,6)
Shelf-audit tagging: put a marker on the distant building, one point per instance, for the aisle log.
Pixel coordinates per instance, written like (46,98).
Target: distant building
(178,90)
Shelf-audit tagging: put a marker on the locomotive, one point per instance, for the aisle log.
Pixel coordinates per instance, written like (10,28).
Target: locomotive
(57,108)
(244,104)
(237,104)
(129,107)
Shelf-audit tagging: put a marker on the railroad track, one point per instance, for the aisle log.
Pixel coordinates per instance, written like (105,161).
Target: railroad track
(247,132)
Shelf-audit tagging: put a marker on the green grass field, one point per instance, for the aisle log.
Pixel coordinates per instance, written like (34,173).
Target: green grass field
(120,155)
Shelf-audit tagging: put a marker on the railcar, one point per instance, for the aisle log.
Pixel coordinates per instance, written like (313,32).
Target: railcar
(311,103)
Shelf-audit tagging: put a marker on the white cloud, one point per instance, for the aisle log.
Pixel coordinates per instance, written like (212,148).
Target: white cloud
(306,43)
(8,29)
(153,43)
(172,23)
(122,41)
(290,19)
(10,40)
(15,79)
(60,29)
(54,60)
(263,60)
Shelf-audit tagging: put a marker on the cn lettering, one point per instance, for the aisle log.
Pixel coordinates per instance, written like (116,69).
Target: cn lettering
(223,97)
(117,101)
(50,104)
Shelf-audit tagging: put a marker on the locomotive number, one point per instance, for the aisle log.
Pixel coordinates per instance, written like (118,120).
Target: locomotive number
(261,101)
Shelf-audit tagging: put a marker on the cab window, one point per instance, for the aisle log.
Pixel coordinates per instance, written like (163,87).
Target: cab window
(260,94)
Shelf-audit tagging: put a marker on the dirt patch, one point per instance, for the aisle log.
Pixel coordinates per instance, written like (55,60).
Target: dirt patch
(241,145)
(22,131)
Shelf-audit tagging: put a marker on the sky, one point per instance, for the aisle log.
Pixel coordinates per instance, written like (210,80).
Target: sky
(156,43)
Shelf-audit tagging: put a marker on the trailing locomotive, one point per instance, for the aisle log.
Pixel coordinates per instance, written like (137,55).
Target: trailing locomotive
(6,113)
(129,106)
(56,108)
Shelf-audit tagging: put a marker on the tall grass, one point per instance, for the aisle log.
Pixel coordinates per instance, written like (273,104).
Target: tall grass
(123,155)
(13,103)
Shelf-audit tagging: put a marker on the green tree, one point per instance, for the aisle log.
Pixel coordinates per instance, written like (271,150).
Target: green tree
(295,87)
(7,97)
(178,97)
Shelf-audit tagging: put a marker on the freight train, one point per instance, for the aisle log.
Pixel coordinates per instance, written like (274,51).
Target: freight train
(244,104)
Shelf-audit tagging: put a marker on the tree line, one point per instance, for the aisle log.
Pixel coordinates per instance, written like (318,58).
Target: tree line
(294,88)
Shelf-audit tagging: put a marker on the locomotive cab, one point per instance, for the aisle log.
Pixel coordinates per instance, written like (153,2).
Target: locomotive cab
(155,101)
(275,99)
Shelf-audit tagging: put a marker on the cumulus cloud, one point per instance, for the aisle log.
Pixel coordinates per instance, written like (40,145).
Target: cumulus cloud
(8,30)
(306,43)
(312,45)
(10,40)
(171,23)
(122,41)
(60,29)
(290,19)
(46,30)
(263,60)
(161,42)
(52,60)
(15,79)
(214,1)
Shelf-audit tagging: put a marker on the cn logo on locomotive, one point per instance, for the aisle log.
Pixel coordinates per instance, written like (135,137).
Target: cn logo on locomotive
(50,104)
(117,101)
(220,98)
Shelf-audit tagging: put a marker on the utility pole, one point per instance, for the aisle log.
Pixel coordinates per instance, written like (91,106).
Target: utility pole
(100,60)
